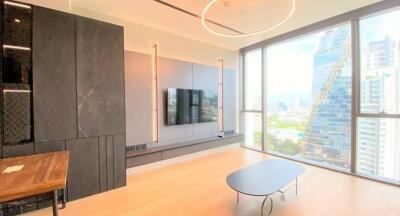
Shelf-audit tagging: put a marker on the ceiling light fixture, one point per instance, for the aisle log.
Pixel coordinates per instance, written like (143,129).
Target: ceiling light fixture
(277,24)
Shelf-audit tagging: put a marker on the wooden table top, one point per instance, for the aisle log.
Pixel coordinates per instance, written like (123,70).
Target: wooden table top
(40,173)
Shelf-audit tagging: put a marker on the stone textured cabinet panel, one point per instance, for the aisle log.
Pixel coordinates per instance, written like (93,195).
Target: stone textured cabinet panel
(100,78)
(51,146)
(54,77)
(119,161)
(83,172)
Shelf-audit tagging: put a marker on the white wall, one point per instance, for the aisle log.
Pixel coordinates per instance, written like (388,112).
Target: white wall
(139,38)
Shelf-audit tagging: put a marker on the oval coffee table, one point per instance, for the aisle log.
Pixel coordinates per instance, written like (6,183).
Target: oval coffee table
(264,179)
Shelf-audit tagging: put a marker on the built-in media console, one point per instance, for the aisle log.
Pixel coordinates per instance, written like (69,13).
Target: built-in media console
(188,106)
(163,152)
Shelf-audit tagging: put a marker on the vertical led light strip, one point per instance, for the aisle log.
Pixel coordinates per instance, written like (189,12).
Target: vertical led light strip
(17,4)
(221,96)
(155,95)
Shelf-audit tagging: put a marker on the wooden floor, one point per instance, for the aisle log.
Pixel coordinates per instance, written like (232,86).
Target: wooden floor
(195,185)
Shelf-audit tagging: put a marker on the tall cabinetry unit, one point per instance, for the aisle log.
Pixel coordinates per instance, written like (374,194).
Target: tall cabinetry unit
(73,84)
(16,78)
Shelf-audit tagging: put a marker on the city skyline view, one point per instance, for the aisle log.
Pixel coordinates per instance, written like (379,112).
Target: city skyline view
(308,102)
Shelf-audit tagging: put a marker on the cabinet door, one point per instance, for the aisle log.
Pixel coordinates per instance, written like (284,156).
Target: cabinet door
(54,77)
(119,161)
(83,170)
(100,78)
(1,66)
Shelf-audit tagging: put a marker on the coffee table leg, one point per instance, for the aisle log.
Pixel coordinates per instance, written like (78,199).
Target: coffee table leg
(262,206)
(55,212)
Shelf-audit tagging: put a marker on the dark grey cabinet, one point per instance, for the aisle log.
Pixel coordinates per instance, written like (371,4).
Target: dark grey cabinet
(100,78)
(83,172)
(119,161)
(110,162)
(54,77)
(78,98)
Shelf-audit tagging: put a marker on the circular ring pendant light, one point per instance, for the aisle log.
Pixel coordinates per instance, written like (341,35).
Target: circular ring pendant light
(277,24)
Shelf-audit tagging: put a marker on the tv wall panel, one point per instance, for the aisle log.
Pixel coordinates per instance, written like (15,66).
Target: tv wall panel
(229,100)
(138,98)
(172,74)
(205,78)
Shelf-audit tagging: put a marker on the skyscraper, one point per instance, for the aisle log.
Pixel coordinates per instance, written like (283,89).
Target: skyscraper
(379,142)
(327,137)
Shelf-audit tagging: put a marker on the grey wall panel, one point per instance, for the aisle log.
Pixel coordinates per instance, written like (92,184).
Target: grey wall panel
(119,161)
(138,98)
(100,78)
(51,146)
(103,163)
(110,162)
(54,81)
(205,78)
(229,100)
(18,150)
(83,173)
(144,159)
(172,74)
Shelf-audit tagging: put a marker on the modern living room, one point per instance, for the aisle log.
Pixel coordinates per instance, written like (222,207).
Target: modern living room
(207,107)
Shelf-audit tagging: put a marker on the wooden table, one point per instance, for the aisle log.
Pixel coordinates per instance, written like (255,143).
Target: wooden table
(41,173)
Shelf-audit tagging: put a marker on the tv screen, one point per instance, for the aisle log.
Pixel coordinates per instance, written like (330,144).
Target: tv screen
(188,106)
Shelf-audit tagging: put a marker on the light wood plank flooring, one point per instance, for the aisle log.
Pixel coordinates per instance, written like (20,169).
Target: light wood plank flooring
(195,185)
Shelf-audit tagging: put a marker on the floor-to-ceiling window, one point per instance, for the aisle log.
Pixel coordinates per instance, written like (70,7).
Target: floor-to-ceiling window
(309,90)
(329,96)
(252,103)
(378,145)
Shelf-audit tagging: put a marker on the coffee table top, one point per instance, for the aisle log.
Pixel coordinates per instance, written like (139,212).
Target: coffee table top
(21,177)
(264,178)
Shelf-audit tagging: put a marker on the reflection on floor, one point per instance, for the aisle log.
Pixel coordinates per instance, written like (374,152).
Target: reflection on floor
(195,185)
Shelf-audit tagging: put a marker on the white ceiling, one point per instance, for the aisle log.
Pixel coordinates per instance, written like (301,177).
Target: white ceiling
(242,15)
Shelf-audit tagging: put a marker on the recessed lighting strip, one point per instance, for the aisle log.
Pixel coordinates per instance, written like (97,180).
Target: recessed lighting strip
(196,16)
(17,4)
(16,91)
(16,47)
(269,28)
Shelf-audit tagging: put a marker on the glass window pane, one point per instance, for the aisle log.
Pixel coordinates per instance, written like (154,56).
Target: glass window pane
(252,80)
(309,83)
(380,63)
(253,130)
(378,149)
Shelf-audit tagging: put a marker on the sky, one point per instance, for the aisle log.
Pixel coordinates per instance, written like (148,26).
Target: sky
(290,63)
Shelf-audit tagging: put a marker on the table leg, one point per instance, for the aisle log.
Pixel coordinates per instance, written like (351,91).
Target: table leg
(64,199)
(262,206)
(55,211)
(237,197)
(296,186)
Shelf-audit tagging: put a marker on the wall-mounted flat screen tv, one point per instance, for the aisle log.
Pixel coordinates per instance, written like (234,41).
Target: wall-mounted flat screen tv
(188,106)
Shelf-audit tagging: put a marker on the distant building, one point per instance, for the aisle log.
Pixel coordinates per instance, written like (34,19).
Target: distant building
(379,140)
(327,137)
